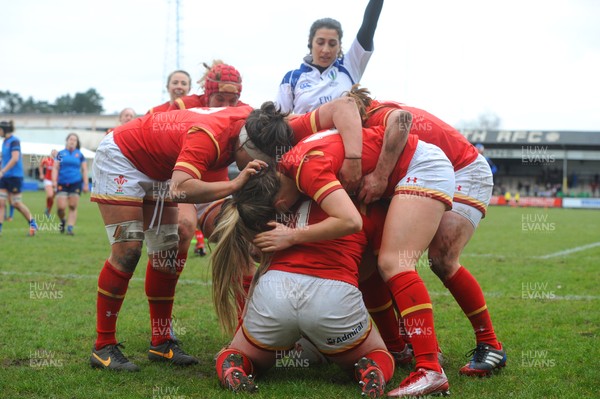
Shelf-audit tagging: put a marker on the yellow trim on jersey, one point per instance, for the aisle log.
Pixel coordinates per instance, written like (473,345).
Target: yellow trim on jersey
(325,188)
(161,298)
(106,293)
(300,167)
(313,122)
(180,103)
(481,309)
(212,137)
(416,308)
(190,167)
(380,308)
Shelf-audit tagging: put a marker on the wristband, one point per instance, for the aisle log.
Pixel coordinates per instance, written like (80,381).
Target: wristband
(352,157)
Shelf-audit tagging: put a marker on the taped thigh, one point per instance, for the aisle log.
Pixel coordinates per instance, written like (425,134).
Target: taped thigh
(16,198)
(162,238)
(131,230)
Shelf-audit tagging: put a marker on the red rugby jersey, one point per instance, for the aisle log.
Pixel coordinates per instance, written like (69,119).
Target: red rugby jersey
(48,164)
(316,160)
(336,259)
(195,101)
(430,129)
(194,141)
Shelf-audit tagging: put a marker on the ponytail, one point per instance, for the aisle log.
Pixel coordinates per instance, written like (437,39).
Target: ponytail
(241,218)
(230,253)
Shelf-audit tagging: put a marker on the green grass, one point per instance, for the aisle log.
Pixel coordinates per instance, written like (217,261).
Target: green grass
(545,311)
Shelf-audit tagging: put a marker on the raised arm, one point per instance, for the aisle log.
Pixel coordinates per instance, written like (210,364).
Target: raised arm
(367,29)
(396,134)
(342,113)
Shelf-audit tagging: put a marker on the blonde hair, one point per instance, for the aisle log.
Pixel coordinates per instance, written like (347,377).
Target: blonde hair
(240,219)
(362,99)
(202,80)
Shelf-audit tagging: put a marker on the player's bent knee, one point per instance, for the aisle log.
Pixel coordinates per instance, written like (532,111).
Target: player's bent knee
(186,230)
(129,258)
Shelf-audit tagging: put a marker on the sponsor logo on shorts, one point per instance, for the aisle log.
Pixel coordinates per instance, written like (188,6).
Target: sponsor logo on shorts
(346,336)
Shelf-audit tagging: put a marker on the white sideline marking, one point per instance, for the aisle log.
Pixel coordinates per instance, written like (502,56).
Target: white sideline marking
(72,276)
(91,277)
(495,294)
(569,251)
(548,256)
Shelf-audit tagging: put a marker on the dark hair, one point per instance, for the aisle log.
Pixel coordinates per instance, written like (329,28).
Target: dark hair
(269,131)
(77,137)
(240,219)
(327,23)
(7,126)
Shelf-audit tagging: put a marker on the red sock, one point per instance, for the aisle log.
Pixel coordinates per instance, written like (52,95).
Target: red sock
(160,290)
(378,301)
(384,361)
(112,286)
(199,239)
(467,292)
(49,203)
(415,308)
(222,356)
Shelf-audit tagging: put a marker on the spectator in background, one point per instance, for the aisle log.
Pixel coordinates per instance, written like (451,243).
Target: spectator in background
(45,171)
(178,85)
(126,115)
(69,178)
(11,175)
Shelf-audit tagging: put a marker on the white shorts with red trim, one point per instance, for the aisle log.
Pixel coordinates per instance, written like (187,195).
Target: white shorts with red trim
(430,175)
(118,182)
(286,306)
(474,186)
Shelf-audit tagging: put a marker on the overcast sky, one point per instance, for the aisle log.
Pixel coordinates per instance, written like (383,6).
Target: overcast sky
(534,63)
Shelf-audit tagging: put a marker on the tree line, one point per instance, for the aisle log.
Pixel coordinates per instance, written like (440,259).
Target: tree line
(89,102)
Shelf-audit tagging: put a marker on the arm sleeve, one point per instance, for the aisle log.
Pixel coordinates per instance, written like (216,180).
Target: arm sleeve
(367,29)
(198,154)
(285,96)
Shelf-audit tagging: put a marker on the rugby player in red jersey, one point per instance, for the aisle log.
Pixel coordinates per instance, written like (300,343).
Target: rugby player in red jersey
(294,290)
(420,186)
(45,170)
(132,168)
(472,194)
(179,84)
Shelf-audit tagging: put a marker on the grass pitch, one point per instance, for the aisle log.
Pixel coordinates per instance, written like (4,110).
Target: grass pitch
(538,269)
